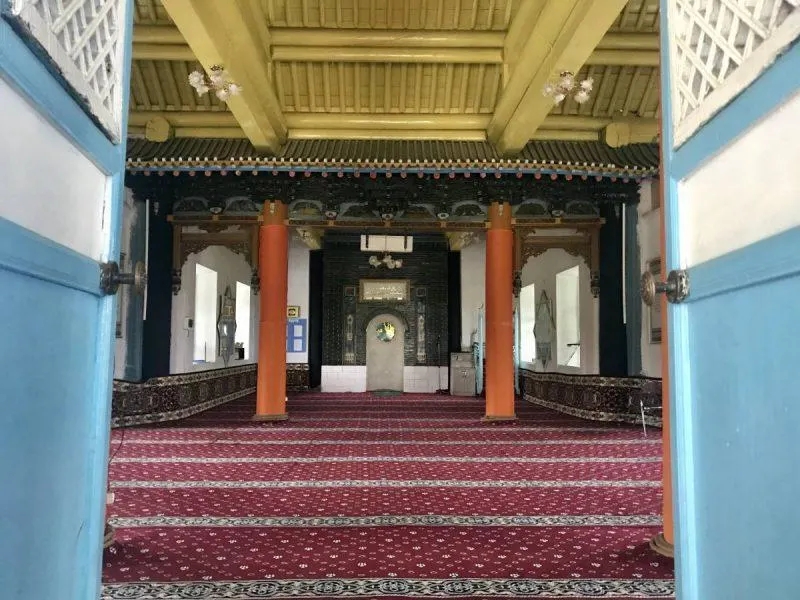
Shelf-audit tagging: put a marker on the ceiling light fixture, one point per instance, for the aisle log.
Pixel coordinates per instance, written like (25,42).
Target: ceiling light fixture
(217,80)
(387,261)
(566,85)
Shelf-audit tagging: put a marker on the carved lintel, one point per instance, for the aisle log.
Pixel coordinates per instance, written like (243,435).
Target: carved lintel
(586,244)
(240,241)
(197,244)
(214,226)
(575,245)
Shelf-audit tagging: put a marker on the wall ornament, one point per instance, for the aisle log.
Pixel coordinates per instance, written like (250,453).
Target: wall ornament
(544,329)
(226,325)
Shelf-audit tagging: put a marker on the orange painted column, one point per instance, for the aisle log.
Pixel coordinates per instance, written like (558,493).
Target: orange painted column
(273,261)
(499,314)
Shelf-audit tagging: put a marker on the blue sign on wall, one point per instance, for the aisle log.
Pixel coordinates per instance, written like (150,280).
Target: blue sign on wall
(296,335)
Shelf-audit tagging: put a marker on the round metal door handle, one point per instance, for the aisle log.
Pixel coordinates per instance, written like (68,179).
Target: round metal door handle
(676,287)
(648,288)
(111,278)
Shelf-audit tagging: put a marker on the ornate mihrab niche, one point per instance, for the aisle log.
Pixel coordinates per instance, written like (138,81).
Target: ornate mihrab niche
(355,292)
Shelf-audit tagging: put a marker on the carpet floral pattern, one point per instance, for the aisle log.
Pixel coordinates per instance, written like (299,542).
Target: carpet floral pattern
(384,497)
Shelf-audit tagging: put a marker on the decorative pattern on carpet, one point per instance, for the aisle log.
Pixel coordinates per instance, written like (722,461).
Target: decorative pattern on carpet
(384,497)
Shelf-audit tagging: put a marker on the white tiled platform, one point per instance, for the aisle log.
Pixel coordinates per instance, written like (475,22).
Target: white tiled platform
(337,378)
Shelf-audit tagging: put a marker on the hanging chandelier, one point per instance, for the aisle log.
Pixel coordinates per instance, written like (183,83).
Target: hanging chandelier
(387,261)
(566,85)
(217,80)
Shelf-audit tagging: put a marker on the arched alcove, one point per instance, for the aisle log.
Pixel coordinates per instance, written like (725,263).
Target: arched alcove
(230,268)
(385,350)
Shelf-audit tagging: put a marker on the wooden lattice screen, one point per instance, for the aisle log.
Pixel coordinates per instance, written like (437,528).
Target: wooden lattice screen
(717,48)
(84,39)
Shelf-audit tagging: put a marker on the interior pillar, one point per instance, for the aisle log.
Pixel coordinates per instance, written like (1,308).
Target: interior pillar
(499,314)
(156,329)
(613,339)
(273,260)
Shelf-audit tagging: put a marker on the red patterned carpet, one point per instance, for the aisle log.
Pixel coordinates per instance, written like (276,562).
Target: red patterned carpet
(385,497)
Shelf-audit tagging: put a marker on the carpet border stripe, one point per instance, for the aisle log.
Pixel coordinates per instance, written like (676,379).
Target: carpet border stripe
(381,459)
(395,521)
(559,442)
(414,588)
(391,483)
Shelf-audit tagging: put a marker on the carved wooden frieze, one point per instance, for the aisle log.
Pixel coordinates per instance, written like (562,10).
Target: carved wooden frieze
(585,243)
(457,197)
(199,243)
(194,238)
(582,245)
(581,248)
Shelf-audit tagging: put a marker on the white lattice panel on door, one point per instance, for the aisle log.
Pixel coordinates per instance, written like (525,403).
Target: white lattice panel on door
(84,38)
(719,47)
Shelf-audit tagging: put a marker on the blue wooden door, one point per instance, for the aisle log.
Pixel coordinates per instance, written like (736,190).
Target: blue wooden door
(731,118)
(61,178)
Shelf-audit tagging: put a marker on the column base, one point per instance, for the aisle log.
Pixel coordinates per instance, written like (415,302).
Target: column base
(496,419)
(263,418)
(660,545)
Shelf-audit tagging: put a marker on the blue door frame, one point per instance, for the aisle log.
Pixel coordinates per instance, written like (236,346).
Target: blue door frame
(41,271)
(713,534)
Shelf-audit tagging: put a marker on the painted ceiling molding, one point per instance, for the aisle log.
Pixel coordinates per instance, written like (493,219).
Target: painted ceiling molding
(389,157)
(456,198)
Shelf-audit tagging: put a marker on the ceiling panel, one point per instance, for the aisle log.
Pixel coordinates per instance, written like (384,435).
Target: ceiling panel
(150,12)
(164,85)
(387,87)
(638,15)
(397,88)
(463,15)
(618,91)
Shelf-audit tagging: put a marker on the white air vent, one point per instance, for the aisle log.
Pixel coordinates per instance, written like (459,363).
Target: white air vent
(387,243)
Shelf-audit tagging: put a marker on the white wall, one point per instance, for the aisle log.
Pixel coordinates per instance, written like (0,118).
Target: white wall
(230,268)
(298,289)
(473,283)
(47,185)
(541,271)
(723,190)
(649,233)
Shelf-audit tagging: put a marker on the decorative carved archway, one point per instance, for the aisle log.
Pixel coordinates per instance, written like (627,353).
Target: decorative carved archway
(585,243)
(192,238)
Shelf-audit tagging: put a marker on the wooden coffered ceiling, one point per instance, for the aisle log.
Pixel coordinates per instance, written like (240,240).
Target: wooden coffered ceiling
(469,70)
